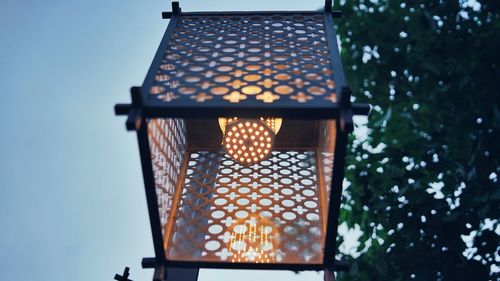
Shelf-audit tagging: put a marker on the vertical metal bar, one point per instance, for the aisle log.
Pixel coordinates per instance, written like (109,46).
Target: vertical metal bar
(149,185)
(329,275)
(322,189)
(159,274)
(176,201)
(335,196)
(328,6)
(160,53)
(333,49)
(142,136)
(340,146)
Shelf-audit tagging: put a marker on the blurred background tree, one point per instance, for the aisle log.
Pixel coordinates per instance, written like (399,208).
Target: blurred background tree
(423,182)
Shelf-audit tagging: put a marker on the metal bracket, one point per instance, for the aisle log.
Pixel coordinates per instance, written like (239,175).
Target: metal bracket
(133,110)
(148,262)
(124,276)
(347,109)
(176,10)
(346,123)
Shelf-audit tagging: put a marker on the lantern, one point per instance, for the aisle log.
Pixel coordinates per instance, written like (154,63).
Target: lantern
(242,123)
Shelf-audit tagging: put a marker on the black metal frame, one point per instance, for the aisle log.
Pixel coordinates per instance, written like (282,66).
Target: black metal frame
(343,111)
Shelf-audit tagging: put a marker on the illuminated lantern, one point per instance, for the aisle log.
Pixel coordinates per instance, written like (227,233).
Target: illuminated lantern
(242,123)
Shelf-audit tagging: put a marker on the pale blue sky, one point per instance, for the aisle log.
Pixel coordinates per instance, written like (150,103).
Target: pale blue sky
(72,203)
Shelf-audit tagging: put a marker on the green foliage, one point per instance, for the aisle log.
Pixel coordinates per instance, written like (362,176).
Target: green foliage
(431,69)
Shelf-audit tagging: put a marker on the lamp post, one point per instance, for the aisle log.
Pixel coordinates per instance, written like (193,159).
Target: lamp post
(242,123)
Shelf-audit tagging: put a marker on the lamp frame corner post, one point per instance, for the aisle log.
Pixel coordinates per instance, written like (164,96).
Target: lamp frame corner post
(144,108)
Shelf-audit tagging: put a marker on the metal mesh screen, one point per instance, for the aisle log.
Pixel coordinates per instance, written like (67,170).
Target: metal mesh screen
(231,59)
(326,152)
(265,212)
(167,141)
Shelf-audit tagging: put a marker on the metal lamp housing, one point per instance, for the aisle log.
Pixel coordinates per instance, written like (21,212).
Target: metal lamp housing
(209,208)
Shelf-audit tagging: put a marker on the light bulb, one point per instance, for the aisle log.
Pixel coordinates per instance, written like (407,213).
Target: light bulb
(253,240)
(249,135)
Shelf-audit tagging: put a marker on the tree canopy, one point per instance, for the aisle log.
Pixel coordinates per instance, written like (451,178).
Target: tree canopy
(423,183)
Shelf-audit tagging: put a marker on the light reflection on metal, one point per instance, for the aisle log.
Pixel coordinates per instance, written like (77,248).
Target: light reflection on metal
(218,194)
(254,240)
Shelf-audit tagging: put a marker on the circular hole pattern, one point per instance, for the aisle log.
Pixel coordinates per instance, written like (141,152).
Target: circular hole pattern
(218,56)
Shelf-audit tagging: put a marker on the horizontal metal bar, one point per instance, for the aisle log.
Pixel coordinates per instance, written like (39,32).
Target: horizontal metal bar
(285,149)
(330,112)
(148,262)
(336,14)
(338,265)
(182,274)
(361,109)
(122,108)
(229,265)
(168,15)
(233,13)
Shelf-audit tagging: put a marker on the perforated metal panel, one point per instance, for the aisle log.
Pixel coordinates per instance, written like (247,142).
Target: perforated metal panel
(245,59)
(221,201)
(167,141)
(326,152)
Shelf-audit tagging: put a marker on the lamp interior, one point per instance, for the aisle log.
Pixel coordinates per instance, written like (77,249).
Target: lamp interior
(214,209)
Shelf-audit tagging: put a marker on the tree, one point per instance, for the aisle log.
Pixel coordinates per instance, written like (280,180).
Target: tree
(424,184)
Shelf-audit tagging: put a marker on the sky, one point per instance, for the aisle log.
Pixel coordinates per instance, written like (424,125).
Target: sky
(72,202)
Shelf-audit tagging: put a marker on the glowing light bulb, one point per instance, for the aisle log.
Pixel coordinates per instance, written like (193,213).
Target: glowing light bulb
(247,135)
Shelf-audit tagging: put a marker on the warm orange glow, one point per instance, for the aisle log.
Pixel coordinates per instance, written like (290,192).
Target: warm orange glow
(254,240)
(247,136)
